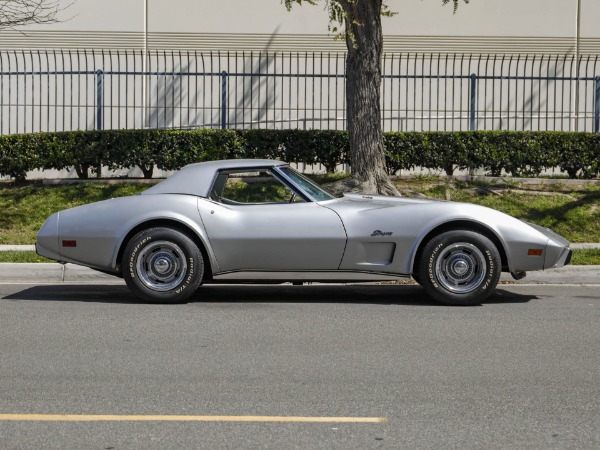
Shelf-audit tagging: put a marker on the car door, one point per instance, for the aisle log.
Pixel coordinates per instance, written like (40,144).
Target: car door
(261,224)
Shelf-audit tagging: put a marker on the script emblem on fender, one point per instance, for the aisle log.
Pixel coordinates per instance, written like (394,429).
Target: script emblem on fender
(381,233)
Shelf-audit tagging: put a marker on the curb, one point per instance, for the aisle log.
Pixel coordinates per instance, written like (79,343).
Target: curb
(33,273)
(585,246)
(50,273)
(17,248)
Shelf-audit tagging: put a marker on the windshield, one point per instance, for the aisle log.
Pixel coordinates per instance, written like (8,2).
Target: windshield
(306,184)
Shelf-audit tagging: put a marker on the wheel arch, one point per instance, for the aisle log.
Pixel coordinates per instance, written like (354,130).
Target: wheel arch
(463,225)
(166,223)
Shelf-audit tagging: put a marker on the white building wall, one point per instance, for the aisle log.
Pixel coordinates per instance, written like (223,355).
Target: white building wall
(482,26)
(199,39)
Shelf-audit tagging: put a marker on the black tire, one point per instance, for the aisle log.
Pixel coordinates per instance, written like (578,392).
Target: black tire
(162,265)
(460,268)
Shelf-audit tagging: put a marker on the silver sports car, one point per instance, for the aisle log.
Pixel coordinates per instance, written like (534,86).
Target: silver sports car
(260,220)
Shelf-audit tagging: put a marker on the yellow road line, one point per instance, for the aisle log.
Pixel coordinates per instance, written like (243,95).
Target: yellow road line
(166,418)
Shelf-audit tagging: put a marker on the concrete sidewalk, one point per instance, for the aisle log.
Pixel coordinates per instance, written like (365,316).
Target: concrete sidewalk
(50,273)
(59,273)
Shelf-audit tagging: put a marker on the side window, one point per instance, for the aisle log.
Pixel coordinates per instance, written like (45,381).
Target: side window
(244,187)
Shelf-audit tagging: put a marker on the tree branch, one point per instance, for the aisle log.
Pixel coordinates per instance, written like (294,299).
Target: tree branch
(14,13)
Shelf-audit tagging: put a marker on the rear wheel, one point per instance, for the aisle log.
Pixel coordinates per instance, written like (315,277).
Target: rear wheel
(162,265)
(460,267)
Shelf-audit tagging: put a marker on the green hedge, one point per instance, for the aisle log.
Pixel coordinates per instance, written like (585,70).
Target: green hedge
(516,153)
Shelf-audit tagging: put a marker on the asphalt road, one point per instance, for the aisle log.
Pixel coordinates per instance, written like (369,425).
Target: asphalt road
(520,371)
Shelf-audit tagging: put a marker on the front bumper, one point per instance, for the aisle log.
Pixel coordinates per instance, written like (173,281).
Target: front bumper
(564,259)
(557,252)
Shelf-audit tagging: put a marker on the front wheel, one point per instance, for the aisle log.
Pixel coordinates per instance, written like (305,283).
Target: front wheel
(460,267)
(162,265)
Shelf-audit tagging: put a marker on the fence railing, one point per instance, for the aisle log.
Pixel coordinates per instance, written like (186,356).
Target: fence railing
(69,90)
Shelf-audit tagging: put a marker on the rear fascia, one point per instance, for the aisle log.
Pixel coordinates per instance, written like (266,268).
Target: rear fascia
(46,243)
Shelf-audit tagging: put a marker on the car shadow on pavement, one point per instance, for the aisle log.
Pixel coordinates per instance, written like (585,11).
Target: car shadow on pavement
(91,293)
(383,294)
(386,294)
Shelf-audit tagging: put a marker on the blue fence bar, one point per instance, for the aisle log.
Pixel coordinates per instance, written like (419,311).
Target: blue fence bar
(223,99)
(597,107)
(99,96)
(473,107)
(66,90)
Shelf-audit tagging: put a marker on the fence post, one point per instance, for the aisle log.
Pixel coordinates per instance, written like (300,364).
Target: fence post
(99,91)
(472,111)
(597,107)
(223,100)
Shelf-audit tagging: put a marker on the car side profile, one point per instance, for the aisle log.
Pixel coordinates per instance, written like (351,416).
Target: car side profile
(261,221)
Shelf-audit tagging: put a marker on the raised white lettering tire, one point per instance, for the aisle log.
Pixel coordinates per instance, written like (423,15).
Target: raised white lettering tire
(460,268)
(162,265)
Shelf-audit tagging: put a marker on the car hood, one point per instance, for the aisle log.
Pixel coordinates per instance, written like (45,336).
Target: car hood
(415,217)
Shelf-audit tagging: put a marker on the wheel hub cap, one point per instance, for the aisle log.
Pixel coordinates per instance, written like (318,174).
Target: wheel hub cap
(461,268)
(161,266)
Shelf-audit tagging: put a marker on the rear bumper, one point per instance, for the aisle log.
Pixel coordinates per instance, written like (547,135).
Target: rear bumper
(46,243)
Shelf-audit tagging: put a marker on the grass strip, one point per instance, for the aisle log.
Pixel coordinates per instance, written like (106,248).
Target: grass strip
(18,256)
(586,257)
(572,213)
(26,207)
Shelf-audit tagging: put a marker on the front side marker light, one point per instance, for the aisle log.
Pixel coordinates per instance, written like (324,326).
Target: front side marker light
(534,252)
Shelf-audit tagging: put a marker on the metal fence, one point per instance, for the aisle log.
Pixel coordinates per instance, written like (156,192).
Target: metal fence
(79,90)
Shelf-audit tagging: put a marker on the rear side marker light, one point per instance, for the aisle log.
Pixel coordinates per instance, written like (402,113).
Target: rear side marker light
(69,243)
(534,252)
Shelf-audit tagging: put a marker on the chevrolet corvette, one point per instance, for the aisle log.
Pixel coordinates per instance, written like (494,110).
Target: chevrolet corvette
(262,221)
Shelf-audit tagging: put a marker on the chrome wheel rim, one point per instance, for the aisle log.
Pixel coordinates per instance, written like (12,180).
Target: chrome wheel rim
(461,268)
(161,266)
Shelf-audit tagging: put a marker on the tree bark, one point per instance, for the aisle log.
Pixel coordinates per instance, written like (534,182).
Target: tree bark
(364,39)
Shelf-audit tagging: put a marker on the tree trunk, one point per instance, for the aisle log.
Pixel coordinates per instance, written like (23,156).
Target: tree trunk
(147,170)
(364,39)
